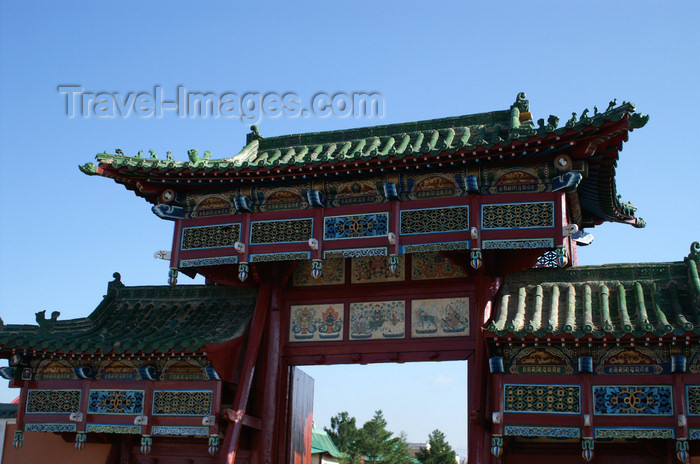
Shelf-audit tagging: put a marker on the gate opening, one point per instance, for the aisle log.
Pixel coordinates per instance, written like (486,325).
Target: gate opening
(415,398)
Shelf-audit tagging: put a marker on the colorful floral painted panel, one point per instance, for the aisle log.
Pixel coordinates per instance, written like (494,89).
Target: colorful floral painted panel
(372,269)
(541,431)
(53,401)
(427,266)
(55,370)
(115,402)
(117,370)
(432,185)
(333,273)
(182,402)
(213,206)
(52,427)
(633,400)
(179,431)
(214,261)
(517,244)
(314,323)
(356,192)
(183,370)
(548,399)
(283,199)
(378,320)
(113,428)
(440,317)
(541,360)
(626,433)
(514,179)
(627,360)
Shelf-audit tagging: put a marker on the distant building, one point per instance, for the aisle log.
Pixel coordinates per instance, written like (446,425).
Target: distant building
(323,449)
(413,448)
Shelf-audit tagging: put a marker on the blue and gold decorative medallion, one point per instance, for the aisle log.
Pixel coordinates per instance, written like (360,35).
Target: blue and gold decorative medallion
(633,400)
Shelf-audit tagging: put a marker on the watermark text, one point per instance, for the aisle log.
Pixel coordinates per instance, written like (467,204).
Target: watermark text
(248,107)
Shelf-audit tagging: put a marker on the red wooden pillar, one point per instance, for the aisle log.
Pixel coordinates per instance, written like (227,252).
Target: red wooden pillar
(269,430)
(240,401)
(478,380)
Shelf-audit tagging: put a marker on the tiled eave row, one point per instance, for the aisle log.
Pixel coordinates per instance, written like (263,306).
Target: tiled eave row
(644,301)
(436,147)
(140,321)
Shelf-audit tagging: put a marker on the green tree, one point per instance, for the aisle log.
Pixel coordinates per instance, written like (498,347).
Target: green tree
(371,444)
(378,445)
(438,450)
(343,432)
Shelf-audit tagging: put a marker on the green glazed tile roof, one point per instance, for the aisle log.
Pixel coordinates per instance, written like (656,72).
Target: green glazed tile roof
(411,139)
(616,300)
(493,137)
(142,320)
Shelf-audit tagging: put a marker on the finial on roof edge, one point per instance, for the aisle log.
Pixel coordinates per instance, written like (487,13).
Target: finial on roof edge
(521,102)
(254,134)
(43,322)
(88,168)
(695,251)
(116,284)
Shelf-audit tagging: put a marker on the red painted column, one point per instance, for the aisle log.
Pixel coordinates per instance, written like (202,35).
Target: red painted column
(478,380)
(680,405)
(175,252)
(272,375)
(240,400)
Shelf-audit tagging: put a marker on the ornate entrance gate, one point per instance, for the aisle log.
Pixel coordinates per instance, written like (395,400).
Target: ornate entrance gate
(380,244)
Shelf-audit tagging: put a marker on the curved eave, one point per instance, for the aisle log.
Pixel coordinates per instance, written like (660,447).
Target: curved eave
(445,149)
(141,321)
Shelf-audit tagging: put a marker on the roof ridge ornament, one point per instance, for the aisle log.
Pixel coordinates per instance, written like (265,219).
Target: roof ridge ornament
(694,251)
(116,284)
(520,112)
(88,168)
(254,134)
(196,159)
(47,323)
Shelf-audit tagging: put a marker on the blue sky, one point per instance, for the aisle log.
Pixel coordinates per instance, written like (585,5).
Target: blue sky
(63,234)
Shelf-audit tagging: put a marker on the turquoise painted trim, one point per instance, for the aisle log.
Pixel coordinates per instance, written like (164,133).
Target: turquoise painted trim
(601,433)
(201,262)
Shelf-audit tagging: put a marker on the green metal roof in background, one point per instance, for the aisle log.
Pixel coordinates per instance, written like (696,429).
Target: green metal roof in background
(142,320)
(321,442)
(620,299)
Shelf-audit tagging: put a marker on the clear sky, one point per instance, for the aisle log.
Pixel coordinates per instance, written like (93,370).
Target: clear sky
(63,234)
